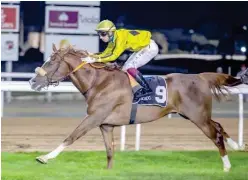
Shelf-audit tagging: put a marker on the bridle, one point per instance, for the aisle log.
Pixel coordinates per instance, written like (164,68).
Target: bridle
(40,71)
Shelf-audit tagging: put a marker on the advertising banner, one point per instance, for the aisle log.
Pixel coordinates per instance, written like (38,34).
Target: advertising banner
(10,18)
(10,2)
(71,20)
(9,47)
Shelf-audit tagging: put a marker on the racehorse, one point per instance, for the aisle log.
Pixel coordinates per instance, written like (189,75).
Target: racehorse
(109,97)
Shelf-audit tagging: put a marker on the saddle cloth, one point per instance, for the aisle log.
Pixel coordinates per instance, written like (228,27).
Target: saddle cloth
(159,95)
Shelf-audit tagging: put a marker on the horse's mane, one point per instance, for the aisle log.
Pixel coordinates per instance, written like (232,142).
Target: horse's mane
(83,53)
(74,51)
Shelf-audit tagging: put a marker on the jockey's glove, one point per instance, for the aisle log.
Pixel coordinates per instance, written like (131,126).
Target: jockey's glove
(89,59)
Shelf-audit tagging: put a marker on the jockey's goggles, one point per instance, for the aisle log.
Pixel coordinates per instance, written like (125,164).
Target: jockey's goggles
(103,34)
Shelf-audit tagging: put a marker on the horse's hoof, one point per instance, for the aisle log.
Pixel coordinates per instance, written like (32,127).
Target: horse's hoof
(226,169)
(244,147)
(41,159)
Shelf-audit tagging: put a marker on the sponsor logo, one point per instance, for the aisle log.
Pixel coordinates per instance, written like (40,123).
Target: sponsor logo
(63,19)
(9,47)
(92,19)
(147,98)
(8,17)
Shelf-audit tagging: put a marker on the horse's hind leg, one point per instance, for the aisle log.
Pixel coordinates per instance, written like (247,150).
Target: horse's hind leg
(107,133)
(227,138)
(216,136)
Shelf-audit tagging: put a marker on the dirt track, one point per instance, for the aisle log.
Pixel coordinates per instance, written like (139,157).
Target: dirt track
(44,134)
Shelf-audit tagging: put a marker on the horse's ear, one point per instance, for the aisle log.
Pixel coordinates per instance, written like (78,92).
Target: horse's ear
(54,48)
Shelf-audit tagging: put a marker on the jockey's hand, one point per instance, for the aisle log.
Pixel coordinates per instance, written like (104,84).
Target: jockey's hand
(89,53)
(89,59)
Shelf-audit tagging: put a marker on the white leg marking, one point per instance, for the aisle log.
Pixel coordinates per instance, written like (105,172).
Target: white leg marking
(232,144)
(55,152)
(226,163)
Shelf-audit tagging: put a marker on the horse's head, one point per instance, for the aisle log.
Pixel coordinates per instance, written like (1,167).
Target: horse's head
(56,68)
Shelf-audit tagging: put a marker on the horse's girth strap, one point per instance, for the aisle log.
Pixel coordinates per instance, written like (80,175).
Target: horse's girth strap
(133,113)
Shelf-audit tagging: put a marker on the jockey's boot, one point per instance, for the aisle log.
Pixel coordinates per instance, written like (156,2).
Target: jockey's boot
(145,89)
(244,77)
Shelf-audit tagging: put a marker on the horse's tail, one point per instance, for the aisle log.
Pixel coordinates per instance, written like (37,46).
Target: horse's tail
(217,83)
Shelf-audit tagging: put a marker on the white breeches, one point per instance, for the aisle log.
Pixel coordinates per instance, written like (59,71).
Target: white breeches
(142,57)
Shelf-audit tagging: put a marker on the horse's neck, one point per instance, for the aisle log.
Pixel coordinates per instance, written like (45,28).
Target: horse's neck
(85,78)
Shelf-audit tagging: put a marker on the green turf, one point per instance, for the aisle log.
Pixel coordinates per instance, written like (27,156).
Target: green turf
(143,165)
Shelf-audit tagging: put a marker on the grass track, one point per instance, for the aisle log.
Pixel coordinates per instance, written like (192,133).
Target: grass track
(143,165)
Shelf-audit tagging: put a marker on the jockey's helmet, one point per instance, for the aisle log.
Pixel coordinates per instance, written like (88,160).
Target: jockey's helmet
(106,26)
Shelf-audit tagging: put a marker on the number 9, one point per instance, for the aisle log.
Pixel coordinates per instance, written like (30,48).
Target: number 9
(161,94)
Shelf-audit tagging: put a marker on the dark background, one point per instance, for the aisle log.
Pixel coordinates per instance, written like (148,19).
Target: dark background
(223,21)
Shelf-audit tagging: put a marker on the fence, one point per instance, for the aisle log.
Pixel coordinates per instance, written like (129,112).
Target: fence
(11,75)
(23,86)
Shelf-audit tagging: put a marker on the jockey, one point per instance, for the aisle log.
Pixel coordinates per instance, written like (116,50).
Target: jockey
(137,41)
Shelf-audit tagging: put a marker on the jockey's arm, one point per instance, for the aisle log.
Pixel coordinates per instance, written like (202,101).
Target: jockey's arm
(113,52)
(106,52)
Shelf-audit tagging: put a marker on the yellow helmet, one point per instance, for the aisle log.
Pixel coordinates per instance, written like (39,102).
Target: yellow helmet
(106,25)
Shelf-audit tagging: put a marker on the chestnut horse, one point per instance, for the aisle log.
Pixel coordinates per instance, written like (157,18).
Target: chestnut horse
(109,97)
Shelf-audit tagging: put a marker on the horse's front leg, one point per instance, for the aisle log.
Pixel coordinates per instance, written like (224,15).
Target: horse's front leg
(107,133)
(87,124)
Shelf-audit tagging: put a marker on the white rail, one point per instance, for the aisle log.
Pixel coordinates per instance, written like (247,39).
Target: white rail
(8,75)
(200,57)
(17,75)
(24,86)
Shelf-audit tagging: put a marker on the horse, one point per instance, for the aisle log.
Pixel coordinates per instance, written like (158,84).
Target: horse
(109,96)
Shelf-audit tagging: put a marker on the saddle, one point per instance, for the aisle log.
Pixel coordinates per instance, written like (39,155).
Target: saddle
(159,92)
